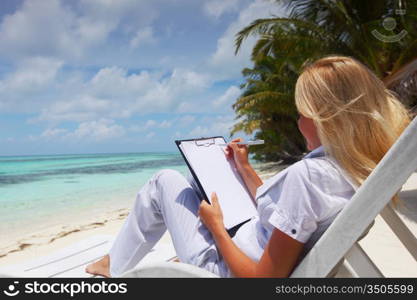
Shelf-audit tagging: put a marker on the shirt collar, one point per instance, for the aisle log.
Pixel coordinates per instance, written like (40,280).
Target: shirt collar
(319,151)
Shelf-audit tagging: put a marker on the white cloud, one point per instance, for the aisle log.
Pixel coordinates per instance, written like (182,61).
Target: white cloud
(216,8)
(142,37)
(42,28)
(224,62)
(62,30)
(154,124)
(188,107)
(136,128)
(218,125)
(145,92)
(165,124)
(32,138)
(29,85)
(229,97)
(53,132)
(31,78)
(186,120)
(183,80)
(113,82)
(103,129)
(150,124)
(32,74)
(177,134)
(82,109)
(150,135)
(96,131)
(113,93)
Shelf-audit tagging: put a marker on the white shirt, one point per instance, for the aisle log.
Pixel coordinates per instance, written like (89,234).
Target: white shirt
(298,201)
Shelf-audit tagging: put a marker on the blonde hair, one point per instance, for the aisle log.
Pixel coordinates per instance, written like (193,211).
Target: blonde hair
(357,118)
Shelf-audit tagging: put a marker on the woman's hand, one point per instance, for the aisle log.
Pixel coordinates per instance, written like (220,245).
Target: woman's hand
(211,214)
(239,153)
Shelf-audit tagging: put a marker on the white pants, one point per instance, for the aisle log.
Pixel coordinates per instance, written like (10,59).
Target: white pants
(167,201)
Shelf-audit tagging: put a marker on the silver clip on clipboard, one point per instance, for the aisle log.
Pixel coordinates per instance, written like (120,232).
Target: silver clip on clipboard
(205,142)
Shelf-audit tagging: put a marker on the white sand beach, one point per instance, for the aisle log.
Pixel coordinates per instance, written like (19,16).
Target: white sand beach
(380,244)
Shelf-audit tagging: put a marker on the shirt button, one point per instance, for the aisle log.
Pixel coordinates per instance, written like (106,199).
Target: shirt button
(293,231)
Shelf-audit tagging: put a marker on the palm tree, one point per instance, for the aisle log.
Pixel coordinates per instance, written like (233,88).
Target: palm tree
(346,27)
(315,28)
(267,104)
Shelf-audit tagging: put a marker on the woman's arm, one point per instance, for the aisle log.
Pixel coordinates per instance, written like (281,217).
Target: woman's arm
(278,260)
(239,153)
(279,257)
(251,178)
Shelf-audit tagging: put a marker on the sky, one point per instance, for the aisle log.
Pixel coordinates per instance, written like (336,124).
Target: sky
(103,76)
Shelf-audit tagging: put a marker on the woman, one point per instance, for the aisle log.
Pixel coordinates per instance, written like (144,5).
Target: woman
(349,120)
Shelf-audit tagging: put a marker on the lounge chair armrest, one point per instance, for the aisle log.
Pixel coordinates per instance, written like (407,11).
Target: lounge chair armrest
(169,270)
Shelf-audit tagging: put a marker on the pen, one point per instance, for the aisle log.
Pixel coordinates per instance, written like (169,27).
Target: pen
(256,142)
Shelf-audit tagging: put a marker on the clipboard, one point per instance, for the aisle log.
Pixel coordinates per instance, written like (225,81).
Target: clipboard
(220,176)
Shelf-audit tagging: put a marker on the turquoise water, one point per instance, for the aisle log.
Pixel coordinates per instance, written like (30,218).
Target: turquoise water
(41,191)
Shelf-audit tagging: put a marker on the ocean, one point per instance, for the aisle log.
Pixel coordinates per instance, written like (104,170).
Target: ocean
(39,192)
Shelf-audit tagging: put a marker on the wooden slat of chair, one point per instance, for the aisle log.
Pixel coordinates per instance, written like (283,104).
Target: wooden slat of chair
(400,229)
(361,263)
(37,266)
(67,263)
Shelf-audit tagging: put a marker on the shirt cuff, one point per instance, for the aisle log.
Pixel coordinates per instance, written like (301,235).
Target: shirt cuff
(283,222)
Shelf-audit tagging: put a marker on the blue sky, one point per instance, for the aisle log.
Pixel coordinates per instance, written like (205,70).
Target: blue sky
(88,76)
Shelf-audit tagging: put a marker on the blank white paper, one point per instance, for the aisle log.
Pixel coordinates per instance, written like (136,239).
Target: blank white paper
(218,174)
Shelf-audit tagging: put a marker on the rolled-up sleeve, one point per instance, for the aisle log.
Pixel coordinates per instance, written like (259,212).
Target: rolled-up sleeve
(293,213)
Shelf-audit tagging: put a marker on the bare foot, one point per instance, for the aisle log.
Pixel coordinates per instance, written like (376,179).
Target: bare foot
(101,267)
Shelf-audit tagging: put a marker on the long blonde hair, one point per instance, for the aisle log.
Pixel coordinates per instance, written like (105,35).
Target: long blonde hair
(357,118)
